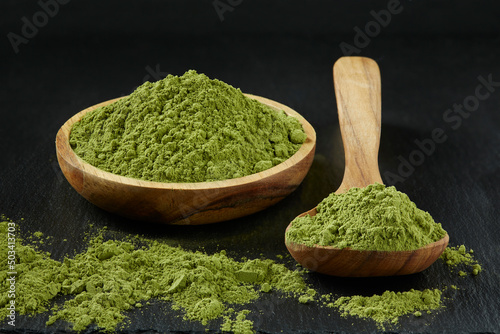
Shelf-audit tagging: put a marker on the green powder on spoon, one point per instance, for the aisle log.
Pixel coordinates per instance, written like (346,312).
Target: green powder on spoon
(372,218)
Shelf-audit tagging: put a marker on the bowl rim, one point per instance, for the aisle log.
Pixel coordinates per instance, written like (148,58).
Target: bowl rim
(309,145)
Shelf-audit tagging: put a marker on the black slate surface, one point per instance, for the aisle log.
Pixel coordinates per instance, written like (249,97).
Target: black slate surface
(432,55)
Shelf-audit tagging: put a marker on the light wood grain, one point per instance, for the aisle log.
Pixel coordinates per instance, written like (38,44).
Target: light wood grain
(354,263)
(358,92)
(185,203)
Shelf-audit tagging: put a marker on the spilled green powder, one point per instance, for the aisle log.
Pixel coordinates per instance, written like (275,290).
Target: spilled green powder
(459,257)
(186,129)
(35,279)
(114,276)
(389,306)
(371,218)
(239,325)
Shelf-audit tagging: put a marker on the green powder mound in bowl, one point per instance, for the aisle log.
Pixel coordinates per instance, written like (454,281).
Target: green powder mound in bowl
(186,128)
(375,218)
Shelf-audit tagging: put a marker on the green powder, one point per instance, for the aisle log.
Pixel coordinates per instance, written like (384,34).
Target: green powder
(372,218)
(35,279)
(458,256)
(113,276)
(308,296)
(389,306)
(186,129)
(239,325)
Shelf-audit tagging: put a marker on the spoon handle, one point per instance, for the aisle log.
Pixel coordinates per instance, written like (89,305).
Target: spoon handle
(358,92)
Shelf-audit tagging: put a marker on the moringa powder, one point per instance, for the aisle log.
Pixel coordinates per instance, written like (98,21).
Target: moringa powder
(389,306)
(186,129)
(372,218)
(113,276)
(459,256)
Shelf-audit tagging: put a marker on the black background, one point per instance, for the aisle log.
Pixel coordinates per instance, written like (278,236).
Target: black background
(430,56)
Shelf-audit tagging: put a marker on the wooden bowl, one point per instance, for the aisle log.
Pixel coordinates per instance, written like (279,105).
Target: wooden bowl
(185,203)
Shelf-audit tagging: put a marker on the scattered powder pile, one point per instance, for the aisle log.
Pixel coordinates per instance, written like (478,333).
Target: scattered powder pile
(186,129)
(36,277)
(113,276)
(371,218)
(455,256)
(389,306)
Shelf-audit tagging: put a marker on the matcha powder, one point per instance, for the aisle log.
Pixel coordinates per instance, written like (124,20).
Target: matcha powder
(459,256)
(371,218)
(389,306)
(186,129)
(114,276)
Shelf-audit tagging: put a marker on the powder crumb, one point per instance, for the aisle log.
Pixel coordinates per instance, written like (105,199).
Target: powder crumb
(459,257)
(38,234)
(326,298)
(476,269)
(266,287)
(304,299)
(297,136)
(241,325)
(311,292)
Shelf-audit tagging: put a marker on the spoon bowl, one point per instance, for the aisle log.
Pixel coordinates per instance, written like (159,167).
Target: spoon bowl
(185,203)
(358,92)
(348,262)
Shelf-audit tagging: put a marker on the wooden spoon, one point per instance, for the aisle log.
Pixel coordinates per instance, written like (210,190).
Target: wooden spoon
(185,203)
(357,87)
